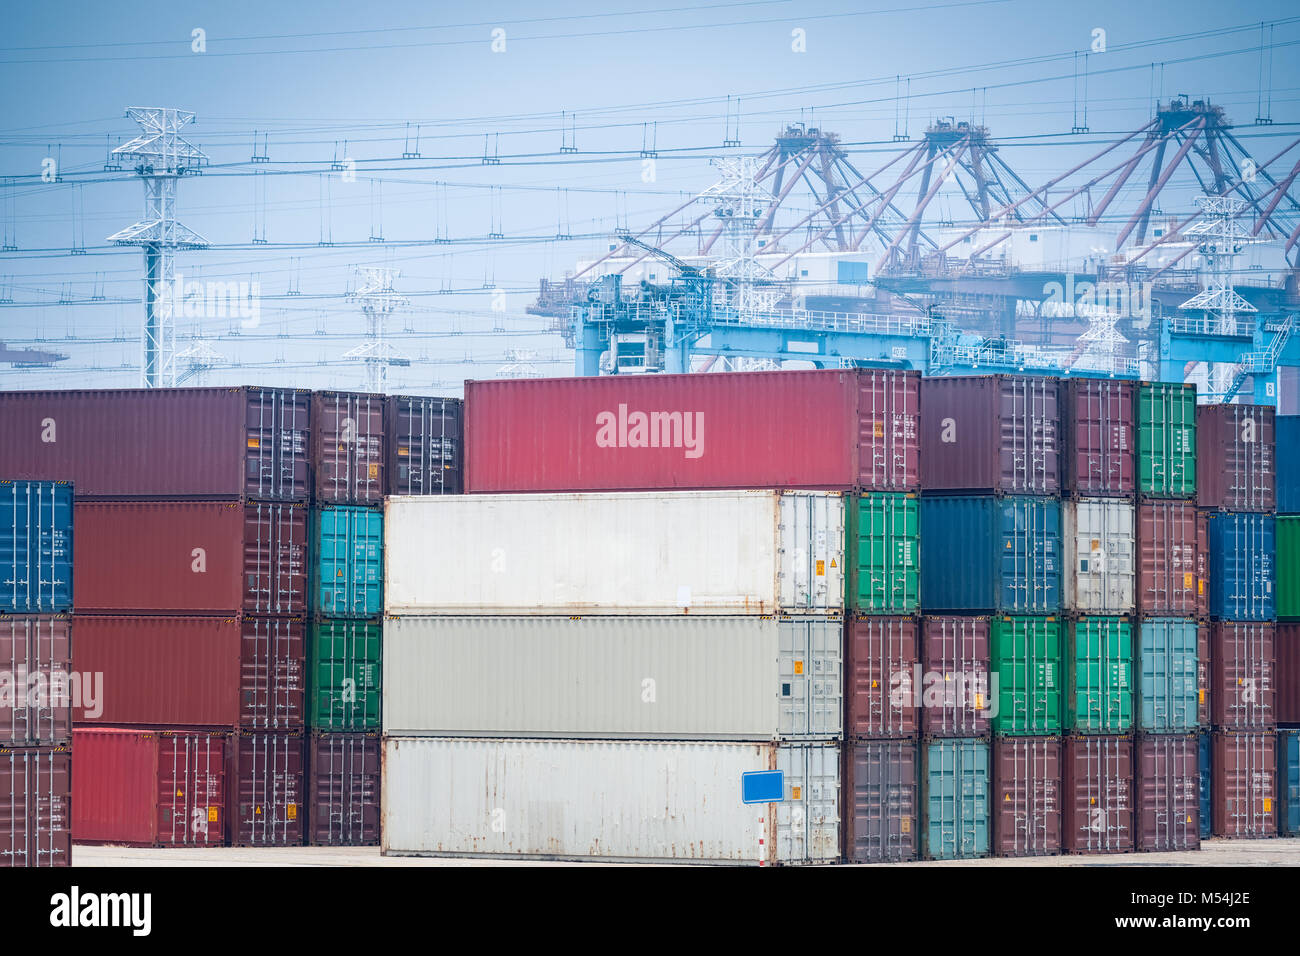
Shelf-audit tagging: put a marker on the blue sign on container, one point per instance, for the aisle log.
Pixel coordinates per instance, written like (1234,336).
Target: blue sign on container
(762,786)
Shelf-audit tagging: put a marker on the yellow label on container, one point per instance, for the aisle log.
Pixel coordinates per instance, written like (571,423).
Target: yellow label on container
(403,452)
(180,793)
(254,443)
(373,471)
(907,824)
(979,701)
(1006,798)
(798,667)
(821,568)
(1201,586)
(1187,580)
(833,564)
(257,811)
(796,793)
(1202,695)
(1268,804)
(212,814)
(293,811)
(878,429)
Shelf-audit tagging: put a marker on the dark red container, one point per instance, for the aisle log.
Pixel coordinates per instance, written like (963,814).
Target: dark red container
(36,656)
(349,450)
(1204,675)
(1098,794)
(1235,457)
(882,660)
(426,447)
(149,788)
(836,430)
(1168,799)
(1244,791)
(882,801)
(955,679)
(1098,420)
(161,443)
(1027,802)
(1172,559)
(1243,656)
(1287,683)
(267,794)
(35,806)
(345,776)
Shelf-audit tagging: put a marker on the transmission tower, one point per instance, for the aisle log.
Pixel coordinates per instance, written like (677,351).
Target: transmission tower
(161,157)
(739,202)
(519,364)
(375,294)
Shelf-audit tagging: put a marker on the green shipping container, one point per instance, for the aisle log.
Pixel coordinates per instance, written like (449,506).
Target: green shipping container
(1167,440)
(1099,690)
(1025,659)
(346,669)
(883,554)
(1288,567)
(349,563)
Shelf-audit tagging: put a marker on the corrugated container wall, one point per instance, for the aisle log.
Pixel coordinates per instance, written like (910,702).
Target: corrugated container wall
(1173,559)
(267,789)
(1166,422)
(1099,690)
(346,682)
(1025,657)
(883,551)
(344,789)
(426,445)
(35,660)
(882,697)
(1245,785)
(349,561)
(35,807)
(1099,546)
(1288,464)
(349,449)
(707,552)
(1168,784)
(1098,795)
(955,799)
(1288,782)
(36,543)
(1027,796)
(1287,673)
(1166,679)
(1243,688)
(1098,436)
(1235,458)
(1242,562)
(956,676)
(881,801)
(1288,567)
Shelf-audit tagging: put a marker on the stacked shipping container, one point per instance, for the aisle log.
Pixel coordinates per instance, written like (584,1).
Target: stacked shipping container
(1286,644)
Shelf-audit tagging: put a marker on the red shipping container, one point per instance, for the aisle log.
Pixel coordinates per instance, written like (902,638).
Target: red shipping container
(955,688)
(1098,416)
(344,791)
(1235,456)
(833,430)
(882,800)
(1168,800)
(35,806)
(425,445)
(1027,801)
(882,666)
(149,788)
(35,660)
(160,443)
(1098,788)
(1287,697)
(348,448)
(1244,790)
(1204,675)
(266,789)
(1243,656)
(1172,559)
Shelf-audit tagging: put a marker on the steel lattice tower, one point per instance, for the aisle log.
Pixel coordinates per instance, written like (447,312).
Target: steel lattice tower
(378,301)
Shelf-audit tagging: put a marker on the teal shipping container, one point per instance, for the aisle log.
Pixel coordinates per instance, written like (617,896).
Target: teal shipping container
(35,547)
(1167,688)
(1288,782)
(349,569)
(1207,783)
(955,799)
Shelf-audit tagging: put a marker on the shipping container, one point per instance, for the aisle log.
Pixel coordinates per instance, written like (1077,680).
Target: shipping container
(1166,678)
(267,792)
(348,561)
(426,445)
(1245,785)
(991,433)
(991,554)
(1166,427)
(345,777)
(955,799)
(1235,460)
(1168,800)
(36,544)
(1027,796)
(710,678)
(35,689)
(1288,782)
(1204,676)
(35,806)
(832,430)
(1097,794)
(883,548)
(1025,663)
(1098,416)
(1099,688)
(1288,567)
(955,691)
(1204,739)
(881,801)
(1288,464)
(349,450)
(1244,657)
(161,443)
(1242,564)
(882,693)
(1173,545)
(1099,546)
(1287,674)
(702,552)
(346,676)
(140,787)
(622,800)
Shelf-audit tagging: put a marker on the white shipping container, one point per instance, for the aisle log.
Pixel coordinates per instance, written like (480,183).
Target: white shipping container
(709,678)
(1099,555)
(677,552)
(607,800)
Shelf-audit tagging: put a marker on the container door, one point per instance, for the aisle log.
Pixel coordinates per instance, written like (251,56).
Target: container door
(808,820)
(191,790)
(277,444)
(1030,559)
(350,548)
(35,547)
(1167,675)
(345,676)
(811,530)
(812,678)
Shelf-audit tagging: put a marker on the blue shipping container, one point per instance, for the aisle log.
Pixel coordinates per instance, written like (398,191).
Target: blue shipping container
(1167,675)
(1288,776)
(1203,762)
(991,554)
(1287,464)
(956,799)
(1243,562)
(349,563)
(35,547)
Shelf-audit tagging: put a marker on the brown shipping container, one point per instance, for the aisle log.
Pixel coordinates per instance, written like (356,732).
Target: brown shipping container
(1026,798)
(35,806)
(955,688)
(1098,440)
(267,793)
(161,443)
(1173,559)
(1098,788)
(1168,801)
(1243,679)
(426,447)
(36,656)
(1204,675)
(882,793)
(991,433)
(1235,456)
(344,790)
(1287,674)
(348,448)
(882,665)
(1244,789)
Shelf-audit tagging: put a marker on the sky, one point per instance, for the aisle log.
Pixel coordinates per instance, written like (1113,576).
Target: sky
(565,95)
